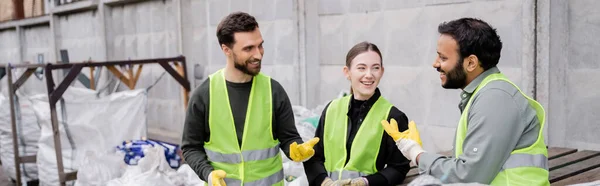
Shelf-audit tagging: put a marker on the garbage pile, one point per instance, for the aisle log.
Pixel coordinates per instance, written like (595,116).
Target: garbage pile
(134,151)
(122,167)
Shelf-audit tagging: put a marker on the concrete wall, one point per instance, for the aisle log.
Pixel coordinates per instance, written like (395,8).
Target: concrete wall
(548,51)
(36,40)
(9,46)
(149,30)
(81,35)
(572,86)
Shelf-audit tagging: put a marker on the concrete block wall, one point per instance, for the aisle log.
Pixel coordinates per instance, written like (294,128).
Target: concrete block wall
(149,30)
(9,46)
(36,40)
(80,34)
(581,75)
(571,83)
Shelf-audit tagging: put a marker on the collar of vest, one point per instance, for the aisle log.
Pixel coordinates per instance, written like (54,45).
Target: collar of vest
(370,102)
(475,83)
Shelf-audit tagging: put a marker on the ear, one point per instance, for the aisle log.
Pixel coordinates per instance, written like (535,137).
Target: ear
(226,50)
(346,72)
(471,63)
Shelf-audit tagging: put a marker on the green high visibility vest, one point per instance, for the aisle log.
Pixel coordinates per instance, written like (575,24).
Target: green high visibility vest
(526,166)
(257,161)
(365,147)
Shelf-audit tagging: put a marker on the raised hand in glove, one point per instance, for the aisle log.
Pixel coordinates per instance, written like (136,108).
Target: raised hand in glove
(330,182)
(216,178)
(408,142)
(304,151)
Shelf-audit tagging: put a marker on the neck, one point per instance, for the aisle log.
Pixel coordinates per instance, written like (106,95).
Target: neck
(362,97)
(472,76)
(234,75)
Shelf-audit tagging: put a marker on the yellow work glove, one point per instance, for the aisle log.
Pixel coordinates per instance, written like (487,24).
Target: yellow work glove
(303,152)
(392,129)
(330,182)
(216,178)
(408,142)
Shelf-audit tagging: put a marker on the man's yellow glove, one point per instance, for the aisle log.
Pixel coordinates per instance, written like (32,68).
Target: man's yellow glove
(408,142)
(216,178)
(303,152)
(392,129)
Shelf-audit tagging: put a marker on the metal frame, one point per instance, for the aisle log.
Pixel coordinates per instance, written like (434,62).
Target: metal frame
(55,93)
(12,88)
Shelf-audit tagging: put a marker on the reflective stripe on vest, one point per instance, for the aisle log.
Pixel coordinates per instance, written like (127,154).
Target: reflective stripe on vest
(250,155)
(526,160)
(346,174)
(270,180)
(257,160)
(368,136)
(526,166)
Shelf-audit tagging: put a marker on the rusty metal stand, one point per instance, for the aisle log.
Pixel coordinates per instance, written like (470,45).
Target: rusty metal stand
(55,92)
(12,88)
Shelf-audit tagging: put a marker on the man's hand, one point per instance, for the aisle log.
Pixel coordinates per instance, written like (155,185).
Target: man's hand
(216,178)
(408,142)
(303,152)
(330,182)
(392,129)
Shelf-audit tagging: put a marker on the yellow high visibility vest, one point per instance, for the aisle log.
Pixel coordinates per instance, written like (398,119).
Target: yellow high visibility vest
(526,166)
(366,143)
(257,161)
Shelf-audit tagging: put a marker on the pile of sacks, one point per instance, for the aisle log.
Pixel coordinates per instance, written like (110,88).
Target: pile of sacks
(110,169)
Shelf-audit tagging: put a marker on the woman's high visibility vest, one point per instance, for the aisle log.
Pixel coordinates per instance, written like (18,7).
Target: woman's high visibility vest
(526,166)
(366,143)
(257,161)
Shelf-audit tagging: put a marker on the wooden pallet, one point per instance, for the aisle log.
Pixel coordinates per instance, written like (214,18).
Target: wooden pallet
(567,166)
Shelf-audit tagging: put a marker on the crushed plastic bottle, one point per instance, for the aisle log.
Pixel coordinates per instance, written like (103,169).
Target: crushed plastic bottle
(134,151)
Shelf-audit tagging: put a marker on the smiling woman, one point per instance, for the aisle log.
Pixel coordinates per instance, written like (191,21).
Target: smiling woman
(354,149)
(364,68)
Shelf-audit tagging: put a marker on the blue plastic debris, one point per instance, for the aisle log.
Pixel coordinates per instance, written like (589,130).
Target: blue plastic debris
(134,151)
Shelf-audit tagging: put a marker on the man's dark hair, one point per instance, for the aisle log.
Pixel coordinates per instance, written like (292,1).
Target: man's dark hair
(476,37)
(233,23)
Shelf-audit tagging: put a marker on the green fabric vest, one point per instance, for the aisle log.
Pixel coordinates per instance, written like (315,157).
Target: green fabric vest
(365,147)
(258,161)
(526,166)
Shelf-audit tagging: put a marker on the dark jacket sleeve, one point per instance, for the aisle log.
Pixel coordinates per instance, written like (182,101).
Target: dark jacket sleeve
(195,132)
(284,125)
(397,165)
(315,166)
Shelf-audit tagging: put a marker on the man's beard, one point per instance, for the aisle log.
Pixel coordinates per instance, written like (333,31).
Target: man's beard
(243,66)
(455,78)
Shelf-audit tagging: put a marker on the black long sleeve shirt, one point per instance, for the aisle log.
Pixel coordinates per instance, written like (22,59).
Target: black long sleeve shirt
(397,165)
(196,130)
